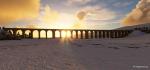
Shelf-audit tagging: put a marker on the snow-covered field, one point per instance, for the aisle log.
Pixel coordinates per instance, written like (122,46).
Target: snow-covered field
(131,53)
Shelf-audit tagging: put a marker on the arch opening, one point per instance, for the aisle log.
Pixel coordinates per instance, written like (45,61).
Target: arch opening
(74,34)
(84,35)
(11,32)
(19,32)
(68,34)
(63,34)
(28,34)
(89,34)
(79,34)
(57,34)
(43,34)
(49,34)
(35,34)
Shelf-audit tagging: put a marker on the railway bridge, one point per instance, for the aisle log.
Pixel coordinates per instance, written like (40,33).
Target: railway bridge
(74,33)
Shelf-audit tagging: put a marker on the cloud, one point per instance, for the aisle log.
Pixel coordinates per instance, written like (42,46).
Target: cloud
(89,16)
(72,2)
(49,15)
(96,13)
(32,26)
(139,15)
(122,4)
(81,15)
(14,10)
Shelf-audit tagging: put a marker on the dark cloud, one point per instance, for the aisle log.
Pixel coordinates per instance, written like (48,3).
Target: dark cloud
(81,15)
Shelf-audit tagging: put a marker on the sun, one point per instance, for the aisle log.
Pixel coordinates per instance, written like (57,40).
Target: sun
(60,21)
(52,19)
(65,21)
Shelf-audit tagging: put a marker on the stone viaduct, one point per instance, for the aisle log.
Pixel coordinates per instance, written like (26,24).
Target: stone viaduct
(74,33)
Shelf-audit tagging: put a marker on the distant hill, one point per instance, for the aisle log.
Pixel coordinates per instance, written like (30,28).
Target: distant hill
(147,25)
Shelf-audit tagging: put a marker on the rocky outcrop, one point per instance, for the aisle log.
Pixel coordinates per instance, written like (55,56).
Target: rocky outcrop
(4,35)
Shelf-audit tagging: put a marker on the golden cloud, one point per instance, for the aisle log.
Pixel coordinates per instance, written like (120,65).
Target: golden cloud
(77,2)
(13,10)
(50,15)
(139,15)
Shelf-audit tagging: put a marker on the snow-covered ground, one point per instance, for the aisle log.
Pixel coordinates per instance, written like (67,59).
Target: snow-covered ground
(131,53)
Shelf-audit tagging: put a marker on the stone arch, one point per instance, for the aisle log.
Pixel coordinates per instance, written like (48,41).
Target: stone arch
(63,33)
(11,31)
(35,34)
(107,34)
(84,35)
(68,34)
(27,33)
(57,34)
(114,34)
(100,34)
(121,34)
(103,34)
(19,32)
(43,34)
(111,33)
(74,34)
(117,35)
(49,34)
(89,34)
(94,34)
(79,34)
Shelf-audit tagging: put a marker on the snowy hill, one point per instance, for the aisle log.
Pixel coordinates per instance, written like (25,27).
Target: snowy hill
(147,25)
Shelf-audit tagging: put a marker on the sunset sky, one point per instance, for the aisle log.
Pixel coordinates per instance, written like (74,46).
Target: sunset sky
(89,14)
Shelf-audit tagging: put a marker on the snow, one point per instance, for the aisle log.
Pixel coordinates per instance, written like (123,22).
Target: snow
(91,54)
